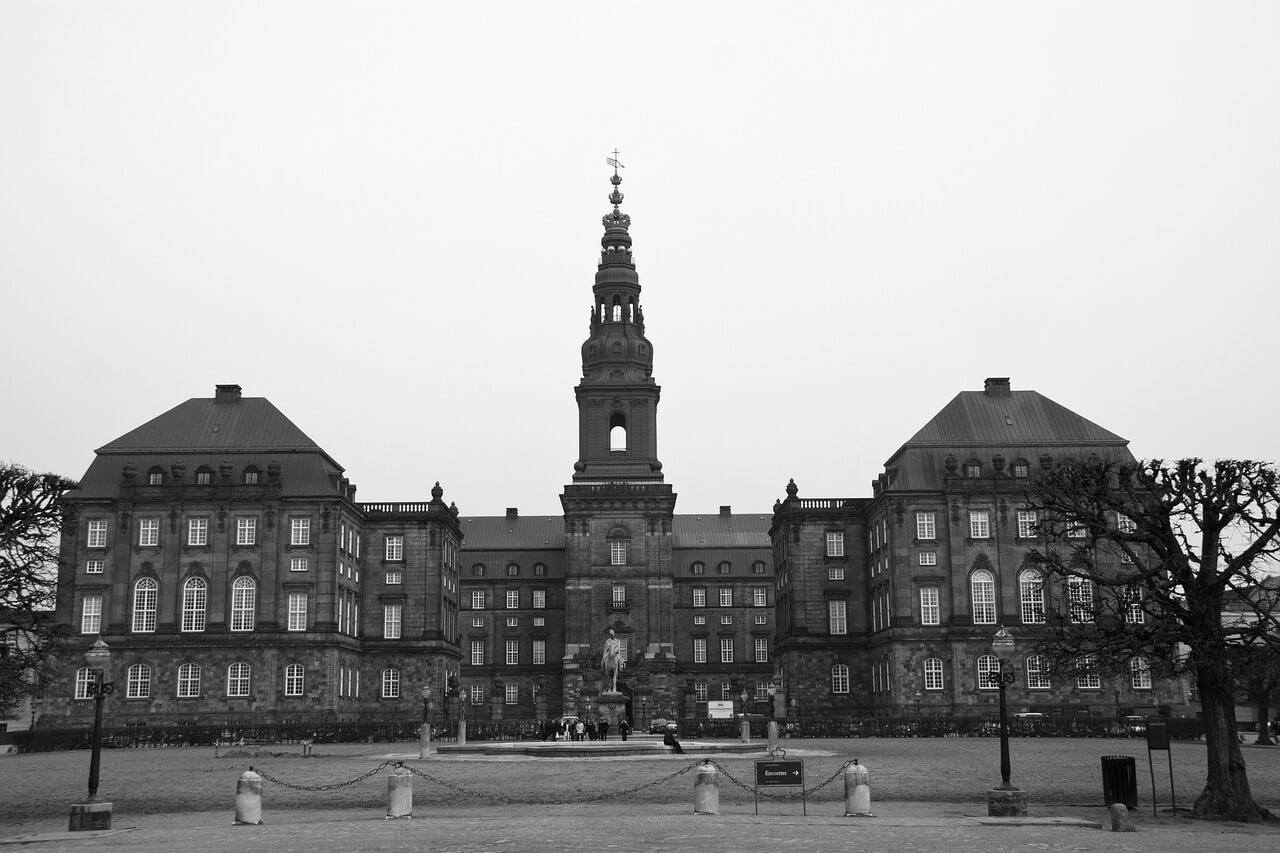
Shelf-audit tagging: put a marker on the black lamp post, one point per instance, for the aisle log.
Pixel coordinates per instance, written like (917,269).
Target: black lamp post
(773,694)
(919,696)
(93,813)
(1003,645)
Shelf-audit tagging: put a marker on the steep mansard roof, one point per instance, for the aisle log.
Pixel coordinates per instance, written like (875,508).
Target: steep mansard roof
(496,532)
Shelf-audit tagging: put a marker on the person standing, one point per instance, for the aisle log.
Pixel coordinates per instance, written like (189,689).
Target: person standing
(579,730)
(624,728)
(603,728)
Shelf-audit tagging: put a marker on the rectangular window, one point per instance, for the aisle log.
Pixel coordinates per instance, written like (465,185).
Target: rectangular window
(835,544)
(1140,674)
(477,694)
(930,611)
(477,599)
(1031,595)
(699,596)
(297,611)
(1089,679)
(933,674)
(395,548)
(726,619)
(513,652)
(97,534)
(835,573)
(618,553)
(91,614)
(1080,599)
(699,650)
(293,678)
(539,651)
(726,650)
(1125,524)
(539,599)
(300,531)
(619,595)
(513,599)
(513,621)
(760,596)
(836,621)
(1026,524)
(761,619)
(700,619)
(725,692)
(925,527)
(188,681)
(477,652)
(979,524)
(700,691)
(726,596)
(94,567)
(539,621)
(238,679)
(1133,611)
(297,564)
(511,694)
(246,531)
(391,621)
(148,532)
(928,558)
(197,531)
(391,683)
(393,578)
(1037,678)
(477,622)
(762,649)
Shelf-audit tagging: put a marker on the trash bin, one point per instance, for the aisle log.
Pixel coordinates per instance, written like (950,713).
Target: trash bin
(1120,780)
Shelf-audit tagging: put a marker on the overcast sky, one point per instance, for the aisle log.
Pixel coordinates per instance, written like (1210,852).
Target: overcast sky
(385,217)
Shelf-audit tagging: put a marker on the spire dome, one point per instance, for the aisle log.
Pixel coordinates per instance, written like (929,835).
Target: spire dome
(615,245)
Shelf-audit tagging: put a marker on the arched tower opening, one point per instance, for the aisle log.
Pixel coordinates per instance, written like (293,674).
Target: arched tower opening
(617,432)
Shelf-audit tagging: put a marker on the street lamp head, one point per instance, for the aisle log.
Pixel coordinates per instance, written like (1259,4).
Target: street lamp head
(98,655)
(426,691)
(1003,644)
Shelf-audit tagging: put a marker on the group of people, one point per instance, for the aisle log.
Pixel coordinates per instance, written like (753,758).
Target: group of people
(572,729)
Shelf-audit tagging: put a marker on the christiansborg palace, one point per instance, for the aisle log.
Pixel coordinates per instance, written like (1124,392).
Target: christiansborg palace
(223,556)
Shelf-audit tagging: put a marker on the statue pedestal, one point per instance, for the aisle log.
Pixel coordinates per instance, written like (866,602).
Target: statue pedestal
(613,707)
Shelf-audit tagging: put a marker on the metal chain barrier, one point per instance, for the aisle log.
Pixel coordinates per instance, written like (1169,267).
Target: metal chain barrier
(335,786)
(568,801)
(804,792)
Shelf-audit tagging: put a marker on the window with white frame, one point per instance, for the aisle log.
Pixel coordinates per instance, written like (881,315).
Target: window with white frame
(539,599)
(987,664)
(297,564)
(726,650)
(758,568)
(1076,531)
(300,531)
(618,552)
(477,652)
(725,692)
(477,694)
(982,588)
(1140,674)
(699,596)
(391,683)
(97,534)
(933,674)
(84,681)
(238,679)
(835,544)
(197,531)
(1125,524)
(512,652)
(251,476)
(188,681)
(979,524)
(619,595)
(698,568)
(393,578)
(195,602)
(513,570)
(700,619)
(1031,596)
(477,599)
(1088,678)
(511,694)
(539,621)
(726,596)
(837,621)
(513,599)
(1026,524)
(926,527)
(1080,600)
(930,609)
(395,548)
(244,596)
(477,622)
(928,558)
(835,573)
(297,611)
(148,532)
(146,593)
(724,568)
(391,621)
(91,614)
(1021,470)
(726,619)
(762,691)
(1134,612)
(700,691)
(539,651)
(294,674)
(762,649)
(839,678)
(138,682)
(699,650)
(759,596)
(513,621)
(94,567)
(246,531)
(1037,674)
(761,619)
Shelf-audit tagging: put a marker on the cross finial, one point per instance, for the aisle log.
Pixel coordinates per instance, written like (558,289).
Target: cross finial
(615,162)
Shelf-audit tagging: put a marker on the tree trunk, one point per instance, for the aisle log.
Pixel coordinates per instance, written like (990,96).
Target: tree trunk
(1226,794)
(1264,725)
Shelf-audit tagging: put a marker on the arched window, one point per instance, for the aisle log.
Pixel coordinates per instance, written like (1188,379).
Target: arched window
(1080,600)
(724,568)
(933,674)
(155,477)
(839,678)
(477,570)
(204,475)
(84,681)
(391,683)
(619,547)
(1031,596)
(1036,675)
(252,475)
(698,568)
(138,684)
(145,594)
(293,679)
(982,587)
(618,432)
(631,309)
(238,679)
(973,468)
(195,596)
(987,664)
(244,595)
(188,680)
(617,310)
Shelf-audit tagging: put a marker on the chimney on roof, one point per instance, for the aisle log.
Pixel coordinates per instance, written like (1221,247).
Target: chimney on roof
(726,511)
(513,513)
(998,386)
(226,394)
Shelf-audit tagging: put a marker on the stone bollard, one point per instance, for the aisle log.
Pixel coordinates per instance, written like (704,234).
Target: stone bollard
(249,799)
(857,790)
(424,742)
(744,730)
(400,793)
(462,732)
(706,791)
(773,734)
(1120,820)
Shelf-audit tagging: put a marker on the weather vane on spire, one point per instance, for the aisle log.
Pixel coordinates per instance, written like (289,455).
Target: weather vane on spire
(615,162)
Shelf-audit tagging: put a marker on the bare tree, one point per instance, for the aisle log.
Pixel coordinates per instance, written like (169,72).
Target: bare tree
(30,520)
(1146,557)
